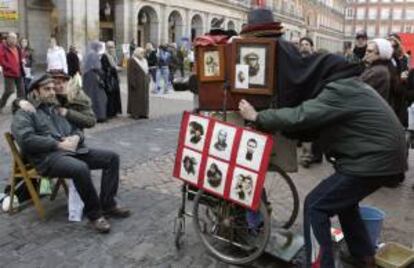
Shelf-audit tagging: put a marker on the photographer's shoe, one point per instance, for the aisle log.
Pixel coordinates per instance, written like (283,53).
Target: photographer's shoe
(117,212)
(101,225)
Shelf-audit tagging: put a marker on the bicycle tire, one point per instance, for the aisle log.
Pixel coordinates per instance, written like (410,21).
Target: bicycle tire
(220,255)
(286,224)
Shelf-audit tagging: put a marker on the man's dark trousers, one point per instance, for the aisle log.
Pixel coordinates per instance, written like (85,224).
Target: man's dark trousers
(78,167)
(339,195)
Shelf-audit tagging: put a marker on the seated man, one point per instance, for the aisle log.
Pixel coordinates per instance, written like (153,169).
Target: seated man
(74,104)
(56,149)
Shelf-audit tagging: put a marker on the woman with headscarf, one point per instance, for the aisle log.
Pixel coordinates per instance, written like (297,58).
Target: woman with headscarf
(138,85)
(93,82)
(110,69)
(322,95)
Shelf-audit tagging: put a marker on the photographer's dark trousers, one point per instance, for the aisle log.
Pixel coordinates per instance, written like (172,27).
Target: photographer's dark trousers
(339,195)
(78,168)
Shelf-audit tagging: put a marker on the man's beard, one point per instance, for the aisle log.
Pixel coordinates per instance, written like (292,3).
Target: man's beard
(48,100)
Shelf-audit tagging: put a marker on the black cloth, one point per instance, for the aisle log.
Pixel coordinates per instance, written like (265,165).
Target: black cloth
(300,79)
(339,195)
(73,63)
(112,88)
(78,167)
(359,52)
(152,59)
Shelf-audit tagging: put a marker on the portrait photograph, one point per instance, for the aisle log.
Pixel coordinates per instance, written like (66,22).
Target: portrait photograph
(255,59)
(211,63)
(215,176)
(251,150)
(242,76)
(190,166)
(259,57)
(243,186)
(196,132)
(222,141)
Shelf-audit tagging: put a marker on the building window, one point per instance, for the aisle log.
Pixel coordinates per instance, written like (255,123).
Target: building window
(386,1)
(349,13)
(397,14)
(372,13)
(409,14)
(360,13)
(383,31)
(408,29)
(385,13)
(371,31)
(396,28)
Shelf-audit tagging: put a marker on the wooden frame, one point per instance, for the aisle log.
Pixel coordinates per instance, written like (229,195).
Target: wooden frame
(258,57)
(216,70)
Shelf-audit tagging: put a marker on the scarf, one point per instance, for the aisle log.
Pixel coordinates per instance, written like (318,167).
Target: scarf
(143,64)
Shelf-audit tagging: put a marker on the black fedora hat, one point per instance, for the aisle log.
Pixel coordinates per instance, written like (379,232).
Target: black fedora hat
(261,21)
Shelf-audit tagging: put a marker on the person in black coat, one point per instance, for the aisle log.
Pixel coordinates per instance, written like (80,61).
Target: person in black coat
(73,61)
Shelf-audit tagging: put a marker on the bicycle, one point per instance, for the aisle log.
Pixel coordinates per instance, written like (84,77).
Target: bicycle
(232,233)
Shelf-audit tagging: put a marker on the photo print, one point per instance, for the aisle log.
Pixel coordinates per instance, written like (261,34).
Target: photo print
(251,150)
(190,166)
(196,132)
(222,141)
(211,63)
(243,186)
(215,176)
(255,59)
(242,76)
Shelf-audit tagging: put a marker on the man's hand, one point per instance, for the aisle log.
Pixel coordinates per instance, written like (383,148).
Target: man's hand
(27,106)
(62,111)
(70,143)
(247,111)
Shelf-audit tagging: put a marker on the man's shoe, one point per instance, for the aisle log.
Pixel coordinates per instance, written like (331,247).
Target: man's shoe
(117,212)
(101,225)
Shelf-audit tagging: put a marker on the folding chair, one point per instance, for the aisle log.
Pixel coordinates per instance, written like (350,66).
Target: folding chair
(28,173)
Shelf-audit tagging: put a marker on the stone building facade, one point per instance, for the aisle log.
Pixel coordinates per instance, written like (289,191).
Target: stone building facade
(379,17)
(161,21)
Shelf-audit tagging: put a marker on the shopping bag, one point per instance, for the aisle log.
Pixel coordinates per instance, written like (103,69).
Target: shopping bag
(45,188)
(75,204)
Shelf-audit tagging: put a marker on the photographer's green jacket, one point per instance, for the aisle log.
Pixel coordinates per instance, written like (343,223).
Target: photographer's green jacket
(356,126)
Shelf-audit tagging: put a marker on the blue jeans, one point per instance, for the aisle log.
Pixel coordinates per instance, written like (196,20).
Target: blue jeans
(339,195)
(164,74)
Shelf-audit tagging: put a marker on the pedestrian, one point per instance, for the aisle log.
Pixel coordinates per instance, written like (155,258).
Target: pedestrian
(356,127)
(164,60)
(181,57)
(152,59)
(138,85)
(132,46)
(93,81)
(11,62)
(56,58)
(110,68)
(377,73)
(311,152)
(358,53)
(27,57)
(174,62)
(73,61)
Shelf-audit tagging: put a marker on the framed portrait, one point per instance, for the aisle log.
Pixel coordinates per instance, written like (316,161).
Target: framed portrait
(251,149)
(211,63)
(215,177)
(190,166)
(222,141)
(243,186)
(196,132)
(258,56)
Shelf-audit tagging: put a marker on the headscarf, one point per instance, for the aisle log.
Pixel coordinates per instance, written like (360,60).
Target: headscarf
(300,79)
(143,63)
(384,47)
(93,58)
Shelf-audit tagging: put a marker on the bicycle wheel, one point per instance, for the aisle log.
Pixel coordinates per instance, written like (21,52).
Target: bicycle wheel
(227,230)
(283,198)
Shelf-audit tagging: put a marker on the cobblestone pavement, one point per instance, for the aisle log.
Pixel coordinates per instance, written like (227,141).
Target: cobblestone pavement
(145,240)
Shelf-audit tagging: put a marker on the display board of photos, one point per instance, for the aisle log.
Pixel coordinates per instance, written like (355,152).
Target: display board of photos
(223,159)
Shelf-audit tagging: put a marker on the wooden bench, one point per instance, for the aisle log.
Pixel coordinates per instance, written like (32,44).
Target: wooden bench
(28,173)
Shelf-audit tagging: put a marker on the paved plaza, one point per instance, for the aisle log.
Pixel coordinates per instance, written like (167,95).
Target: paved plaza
(145,239)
